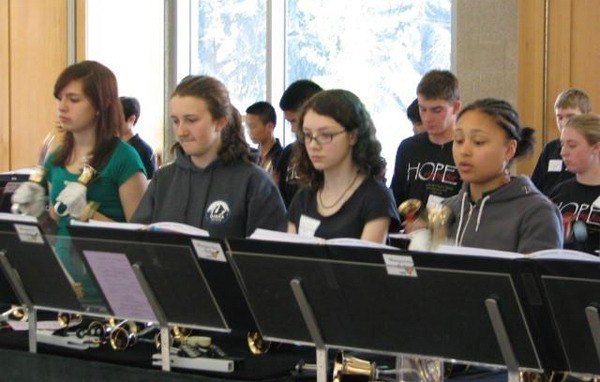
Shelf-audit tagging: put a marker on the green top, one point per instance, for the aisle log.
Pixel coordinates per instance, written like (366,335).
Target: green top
(123,163)
(104,189)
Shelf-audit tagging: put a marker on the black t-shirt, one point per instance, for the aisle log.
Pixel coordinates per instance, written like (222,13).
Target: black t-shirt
(272,157)
(575,202)
(288,179)
(146,154)
(370,201)
(424,168)
(550,169)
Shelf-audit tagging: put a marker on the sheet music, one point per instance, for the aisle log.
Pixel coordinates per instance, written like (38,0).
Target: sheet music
(105,224)
(179,228)
(17,218)
(119,285)
(352,242)
(481,252)
(21,171)
(565,254)
(269,235)
(399,235)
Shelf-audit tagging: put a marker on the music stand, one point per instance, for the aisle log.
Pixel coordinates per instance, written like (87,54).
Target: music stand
(572,289)
(443,306)
(26,253)
(169,273)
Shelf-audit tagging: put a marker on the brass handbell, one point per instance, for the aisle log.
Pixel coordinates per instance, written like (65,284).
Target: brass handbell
(68,319)
(439,217)
(123,335)
(257,344)
(347,366)
(411,209)
(16,312)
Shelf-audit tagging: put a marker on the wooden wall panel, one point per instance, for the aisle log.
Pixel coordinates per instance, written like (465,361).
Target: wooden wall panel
(4,88)
(530,96)
(559,60)
(38,40)
(80,26)
(585,49)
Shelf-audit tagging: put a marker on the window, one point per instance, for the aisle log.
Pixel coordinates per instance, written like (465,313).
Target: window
(379,50)
(132,47)
(229,42)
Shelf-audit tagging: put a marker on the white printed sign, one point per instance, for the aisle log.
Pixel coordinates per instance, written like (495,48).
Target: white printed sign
(399,265)
(29,234)
(209,250)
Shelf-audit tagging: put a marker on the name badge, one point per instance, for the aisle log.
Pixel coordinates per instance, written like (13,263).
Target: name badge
(555,165)
(434,201)
(308,226)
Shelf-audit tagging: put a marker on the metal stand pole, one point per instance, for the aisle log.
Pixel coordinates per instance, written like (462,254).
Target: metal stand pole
(313,329)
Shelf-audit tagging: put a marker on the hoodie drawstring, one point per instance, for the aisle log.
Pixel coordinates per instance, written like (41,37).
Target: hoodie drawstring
(481,212)
(461,235)
(462,211)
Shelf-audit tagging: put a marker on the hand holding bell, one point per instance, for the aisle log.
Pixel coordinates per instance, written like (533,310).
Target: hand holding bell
(72,200)
(413,213)
(30,197)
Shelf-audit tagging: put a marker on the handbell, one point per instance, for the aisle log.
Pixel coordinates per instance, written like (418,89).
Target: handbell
(439,218)
(38,175)
(15,312)
(257,344)
(88,174)
(411,209)
(352,366)
(68,319)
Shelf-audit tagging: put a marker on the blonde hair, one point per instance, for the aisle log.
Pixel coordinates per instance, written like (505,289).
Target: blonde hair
(573,98)
(588,125)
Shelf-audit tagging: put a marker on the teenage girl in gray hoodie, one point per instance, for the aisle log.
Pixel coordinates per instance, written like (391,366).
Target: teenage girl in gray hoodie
(212,184)
(495,210)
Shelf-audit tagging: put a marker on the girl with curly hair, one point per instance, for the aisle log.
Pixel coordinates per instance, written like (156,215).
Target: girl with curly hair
(340,161)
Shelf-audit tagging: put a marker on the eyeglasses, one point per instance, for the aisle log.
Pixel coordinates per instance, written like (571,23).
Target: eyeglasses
(320,138)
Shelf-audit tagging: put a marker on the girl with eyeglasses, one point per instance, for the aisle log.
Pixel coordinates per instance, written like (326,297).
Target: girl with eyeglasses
(340,162)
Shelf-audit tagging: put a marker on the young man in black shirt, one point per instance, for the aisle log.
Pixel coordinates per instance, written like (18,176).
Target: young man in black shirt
(291,101)
(424,166)
(550,169)
(261,121)
(131,110)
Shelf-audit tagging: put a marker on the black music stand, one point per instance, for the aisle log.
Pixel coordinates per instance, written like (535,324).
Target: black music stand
(572,289)
(7,293)
(34,272)
(438,306)
(170,275)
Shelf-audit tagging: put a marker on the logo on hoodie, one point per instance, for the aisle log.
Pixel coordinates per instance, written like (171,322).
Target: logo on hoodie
(217,212)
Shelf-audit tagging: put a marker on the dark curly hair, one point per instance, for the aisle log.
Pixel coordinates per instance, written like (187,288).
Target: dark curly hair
(216,96)
(347,110)
(507,118)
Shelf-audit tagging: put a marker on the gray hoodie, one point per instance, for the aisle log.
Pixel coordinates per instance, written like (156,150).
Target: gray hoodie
(226,199)
(515,217)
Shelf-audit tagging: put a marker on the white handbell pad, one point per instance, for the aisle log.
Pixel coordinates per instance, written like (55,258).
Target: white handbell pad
(29,199)
(74,197)
(420,240)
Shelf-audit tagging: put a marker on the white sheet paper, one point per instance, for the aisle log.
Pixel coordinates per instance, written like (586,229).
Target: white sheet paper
(119,285)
